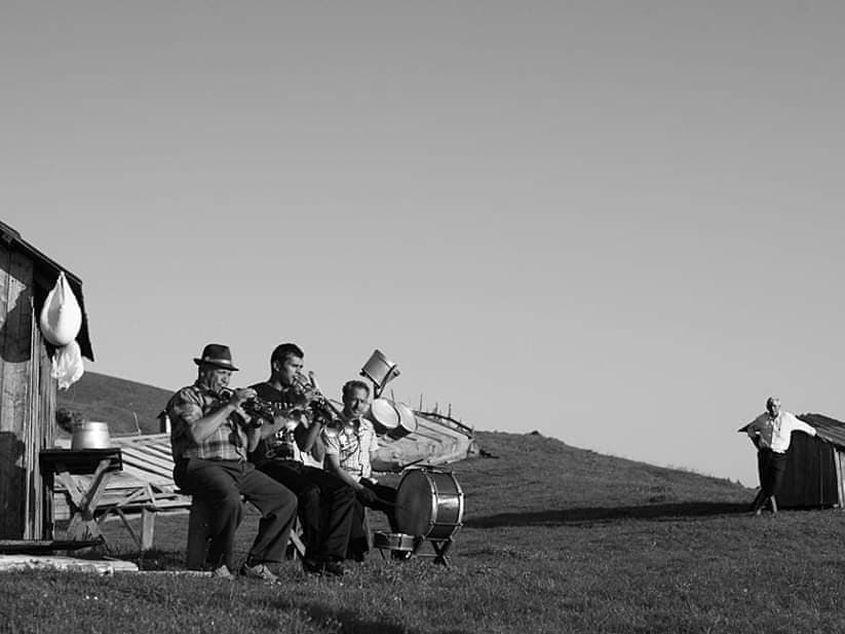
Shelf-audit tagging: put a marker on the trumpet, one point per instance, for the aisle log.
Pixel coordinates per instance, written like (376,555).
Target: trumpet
(258,409)
(311,394)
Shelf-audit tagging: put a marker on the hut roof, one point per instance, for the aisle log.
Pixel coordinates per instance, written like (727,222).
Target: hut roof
(45,272)
(829,429)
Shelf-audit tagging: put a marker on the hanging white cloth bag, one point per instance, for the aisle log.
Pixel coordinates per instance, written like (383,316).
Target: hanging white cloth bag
(67,365)
(61,316)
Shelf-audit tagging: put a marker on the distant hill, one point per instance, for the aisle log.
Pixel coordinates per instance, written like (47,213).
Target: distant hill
(547,482)
(125,405)
(574,473)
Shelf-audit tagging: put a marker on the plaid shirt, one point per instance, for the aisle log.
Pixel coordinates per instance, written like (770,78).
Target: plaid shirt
(352,441)
(186,407)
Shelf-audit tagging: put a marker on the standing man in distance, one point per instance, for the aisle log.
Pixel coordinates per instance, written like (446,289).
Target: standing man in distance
(210,441)
(771,433)
(349,443)
(284,453)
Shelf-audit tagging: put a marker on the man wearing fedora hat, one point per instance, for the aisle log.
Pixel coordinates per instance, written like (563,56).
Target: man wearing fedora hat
(210,443)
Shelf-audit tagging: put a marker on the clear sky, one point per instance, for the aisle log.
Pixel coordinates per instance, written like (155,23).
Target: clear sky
(616,223)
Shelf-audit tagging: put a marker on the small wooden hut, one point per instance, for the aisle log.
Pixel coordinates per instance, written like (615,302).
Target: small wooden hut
(27,391)
(815,466)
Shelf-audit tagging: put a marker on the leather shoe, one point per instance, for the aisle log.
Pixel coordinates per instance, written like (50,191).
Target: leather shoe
(259,571)
(318,567)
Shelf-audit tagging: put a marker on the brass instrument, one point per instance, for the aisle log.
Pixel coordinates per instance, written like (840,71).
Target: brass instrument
(305,399)
(321,407)
(259,409)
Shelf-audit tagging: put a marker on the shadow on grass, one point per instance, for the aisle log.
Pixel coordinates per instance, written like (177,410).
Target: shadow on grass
(608,514)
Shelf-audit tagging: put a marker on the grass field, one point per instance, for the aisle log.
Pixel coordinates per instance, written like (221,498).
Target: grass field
(556,539)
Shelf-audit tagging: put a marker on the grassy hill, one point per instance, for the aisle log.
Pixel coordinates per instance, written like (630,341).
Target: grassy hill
(555,539)
(125,405)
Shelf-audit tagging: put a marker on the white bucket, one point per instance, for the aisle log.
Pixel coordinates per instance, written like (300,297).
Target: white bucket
(90,435)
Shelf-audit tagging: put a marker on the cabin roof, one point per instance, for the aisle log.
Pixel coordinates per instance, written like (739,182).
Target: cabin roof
(827,428)
(46,271)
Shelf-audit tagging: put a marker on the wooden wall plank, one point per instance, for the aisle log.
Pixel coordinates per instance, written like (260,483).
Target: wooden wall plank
(15,395)
(5,268)
(8,438)
(47,387)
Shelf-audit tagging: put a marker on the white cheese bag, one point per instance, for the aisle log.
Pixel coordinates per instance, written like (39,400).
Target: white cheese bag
(61,316)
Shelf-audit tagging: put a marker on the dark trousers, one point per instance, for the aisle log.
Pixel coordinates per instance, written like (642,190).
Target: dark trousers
(770,466)
(386,503)
(325,506)
(221,483)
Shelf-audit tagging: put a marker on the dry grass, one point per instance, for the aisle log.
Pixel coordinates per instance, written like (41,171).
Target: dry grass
(577,543)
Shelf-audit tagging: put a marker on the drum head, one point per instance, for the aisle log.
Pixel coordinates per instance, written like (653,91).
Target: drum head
(384,414)
(415,504)
(407,418)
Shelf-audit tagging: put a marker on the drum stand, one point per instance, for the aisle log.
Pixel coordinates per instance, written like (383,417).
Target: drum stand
(439,546)
(402,547)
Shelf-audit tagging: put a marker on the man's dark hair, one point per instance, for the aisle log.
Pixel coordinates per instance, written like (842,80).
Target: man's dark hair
(354,384)
(284,351)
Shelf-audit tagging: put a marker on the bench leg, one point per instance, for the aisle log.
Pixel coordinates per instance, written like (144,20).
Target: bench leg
(148,527)
(296,547)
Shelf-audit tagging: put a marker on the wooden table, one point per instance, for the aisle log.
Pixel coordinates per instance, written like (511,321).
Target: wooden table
(84,473)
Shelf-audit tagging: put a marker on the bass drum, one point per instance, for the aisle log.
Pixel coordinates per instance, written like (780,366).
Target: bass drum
(429,503)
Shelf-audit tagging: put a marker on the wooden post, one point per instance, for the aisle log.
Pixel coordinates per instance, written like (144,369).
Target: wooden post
(148,526)
(18,413)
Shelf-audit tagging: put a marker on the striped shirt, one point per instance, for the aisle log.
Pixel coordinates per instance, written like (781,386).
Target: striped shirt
(352,442)
(186,407)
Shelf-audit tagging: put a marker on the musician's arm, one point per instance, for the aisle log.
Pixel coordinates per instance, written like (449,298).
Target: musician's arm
(201,427)
(306,433)
(318,450)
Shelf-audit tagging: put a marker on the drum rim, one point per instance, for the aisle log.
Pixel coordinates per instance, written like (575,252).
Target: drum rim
(460,495)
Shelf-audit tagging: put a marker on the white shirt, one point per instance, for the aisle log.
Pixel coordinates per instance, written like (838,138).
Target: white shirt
(775,434)
(352,442)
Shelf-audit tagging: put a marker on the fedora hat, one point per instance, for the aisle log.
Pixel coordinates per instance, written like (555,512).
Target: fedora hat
(218,355)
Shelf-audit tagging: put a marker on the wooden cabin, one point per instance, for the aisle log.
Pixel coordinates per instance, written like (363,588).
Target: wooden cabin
(27,391)
(815,466)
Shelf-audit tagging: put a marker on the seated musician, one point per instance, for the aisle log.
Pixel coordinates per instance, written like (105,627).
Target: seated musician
(284,453)
(349,442)
(210,439)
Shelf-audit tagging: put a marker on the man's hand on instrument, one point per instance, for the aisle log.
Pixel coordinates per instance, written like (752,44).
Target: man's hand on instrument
(241,395)
(238,398)
(367,496)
